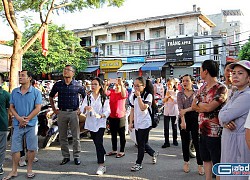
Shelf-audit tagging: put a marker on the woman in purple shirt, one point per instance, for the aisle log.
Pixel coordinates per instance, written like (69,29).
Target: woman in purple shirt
(188,123)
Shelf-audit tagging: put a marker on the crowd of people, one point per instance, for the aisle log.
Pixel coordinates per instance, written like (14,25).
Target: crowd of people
(214,114)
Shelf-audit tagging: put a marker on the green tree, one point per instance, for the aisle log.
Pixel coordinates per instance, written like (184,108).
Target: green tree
(64,49)
(10,9)
(245,52)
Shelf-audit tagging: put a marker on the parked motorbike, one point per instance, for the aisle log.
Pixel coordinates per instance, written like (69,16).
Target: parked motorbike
(42,117)
(53,132)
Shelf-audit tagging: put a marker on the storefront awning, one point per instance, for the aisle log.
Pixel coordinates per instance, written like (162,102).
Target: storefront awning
(153,66)
(130,67)
(90,69)
(196,65)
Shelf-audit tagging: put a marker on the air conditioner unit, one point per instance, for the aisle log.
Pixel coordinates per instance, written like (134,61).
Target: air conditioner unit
(196,34)
(205,33)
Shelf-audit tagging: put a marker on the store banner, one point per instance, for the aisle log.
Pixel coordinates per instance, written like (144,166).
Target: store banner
(111,64)
(135,59)
(179,49)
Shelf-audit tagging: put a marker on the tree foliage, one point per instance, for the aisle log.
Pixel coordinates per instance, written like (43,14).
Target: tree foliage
(244,53)
(11,10)
(64,48)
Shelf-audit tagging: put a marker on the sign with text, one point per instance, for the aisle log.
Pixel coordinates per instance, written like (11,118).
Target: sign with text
(136,59)
(183,63)
(111,64)
(232,169)
(179,49)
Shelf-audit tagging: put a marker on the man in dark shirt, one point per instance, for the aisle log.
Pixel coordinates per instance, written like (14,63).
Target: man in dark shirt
(4,106)
(68,107)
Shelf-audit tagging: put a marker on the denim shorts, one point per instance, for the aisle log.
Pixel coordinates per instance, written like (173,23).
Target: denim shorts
(30,135)
(210,148)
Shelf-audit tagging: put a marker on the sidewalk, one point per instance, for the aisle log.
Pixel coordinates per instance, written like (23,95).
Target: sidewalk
(169,164)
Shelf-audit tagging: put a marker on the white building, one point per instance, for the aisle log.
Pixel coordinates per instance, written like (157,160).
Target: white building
(169,45)
(5,54)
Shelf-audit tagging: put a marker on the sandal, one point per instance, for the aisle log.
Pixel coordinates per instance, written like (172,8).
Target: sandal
(136,167)
(9,177)
(111,153)
(186,167)
(119,155)
(201,170)
(31,175)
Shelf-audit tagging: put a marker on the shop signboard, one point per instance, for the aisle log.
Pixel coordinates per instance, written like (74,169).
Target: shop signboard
(179,49)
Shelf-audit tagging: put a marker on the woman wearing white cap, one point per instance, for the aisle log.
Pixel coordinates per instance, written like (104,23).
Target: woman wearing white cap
(233,117)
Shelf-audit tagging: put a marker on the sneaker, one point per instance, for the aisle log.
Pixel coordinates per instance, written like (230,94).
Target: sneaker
(154,158)
(35,159)
(165,145)
(101,170)
(22,162)
(1,171)
(136,167)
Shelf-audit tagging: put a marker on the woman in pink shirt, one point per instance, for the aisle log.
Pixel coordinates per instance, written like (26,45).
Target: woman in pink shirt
(158,88)
(117,118)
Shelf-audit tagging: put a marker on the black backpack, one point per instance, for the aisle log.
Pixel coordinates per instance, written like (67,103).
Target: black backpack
(155,118)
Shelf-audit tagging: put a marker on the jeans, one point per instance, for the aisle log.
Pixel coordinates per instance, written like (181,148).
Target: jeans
(166,128)
(98,141)
(114,129)
(142,144)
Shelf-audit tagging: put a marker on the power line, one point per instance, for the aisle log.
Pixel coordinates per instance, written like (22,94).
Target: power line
(166,54)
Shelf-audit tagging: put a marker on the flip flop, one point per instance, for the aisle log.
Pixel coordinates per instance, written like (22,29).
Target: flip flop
(119,155)
(31,175)
(111,153)
(8,177)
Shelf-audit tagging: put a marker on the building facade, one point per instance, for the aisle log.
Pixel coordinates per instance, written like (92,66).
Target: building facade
(161,46)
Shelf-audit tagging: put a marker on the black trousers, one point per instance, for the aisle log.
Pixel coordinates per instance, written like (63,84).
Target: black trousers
(114,129)
(167,119)
(98,141)
(191,131)
(142,144)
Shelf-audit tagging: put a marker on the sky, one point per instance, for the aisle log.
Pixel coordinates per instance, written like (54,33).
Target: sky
(137,9)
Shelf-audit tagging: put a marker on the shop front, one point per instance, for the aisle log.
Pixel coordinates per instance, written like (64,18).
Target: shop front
(109,68)
(180,56)
(132,67)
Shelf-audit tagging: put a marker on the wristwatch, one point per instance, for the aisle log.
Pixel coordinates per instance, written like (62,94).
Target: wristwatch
(197,102)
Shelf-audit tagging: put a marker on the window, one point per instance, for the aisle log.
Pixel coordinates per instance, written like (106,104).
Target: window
(140,49)
(119,37)
(202,49)
(131,49)
(138,36)
(120,49)
(109,50)
(216,49)
(157,33)
(160,47)
(181,29)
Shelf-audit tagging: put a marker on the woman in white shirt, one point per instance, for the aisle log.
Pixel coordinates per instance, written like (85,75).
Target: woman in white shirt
(171,113)
(141,100)
(96,107)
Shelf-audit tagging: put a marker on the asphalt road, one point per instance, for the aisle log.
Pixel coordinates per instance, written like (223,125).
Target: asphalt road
(169,164)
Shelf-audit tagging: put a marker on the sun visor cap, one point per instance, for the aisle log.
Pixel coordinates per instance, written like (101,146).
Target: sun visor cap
(243,63)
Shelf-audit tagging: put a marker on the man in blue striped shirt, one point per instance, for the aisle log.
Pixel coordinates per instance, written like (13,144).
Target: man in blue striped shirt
(68,91)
